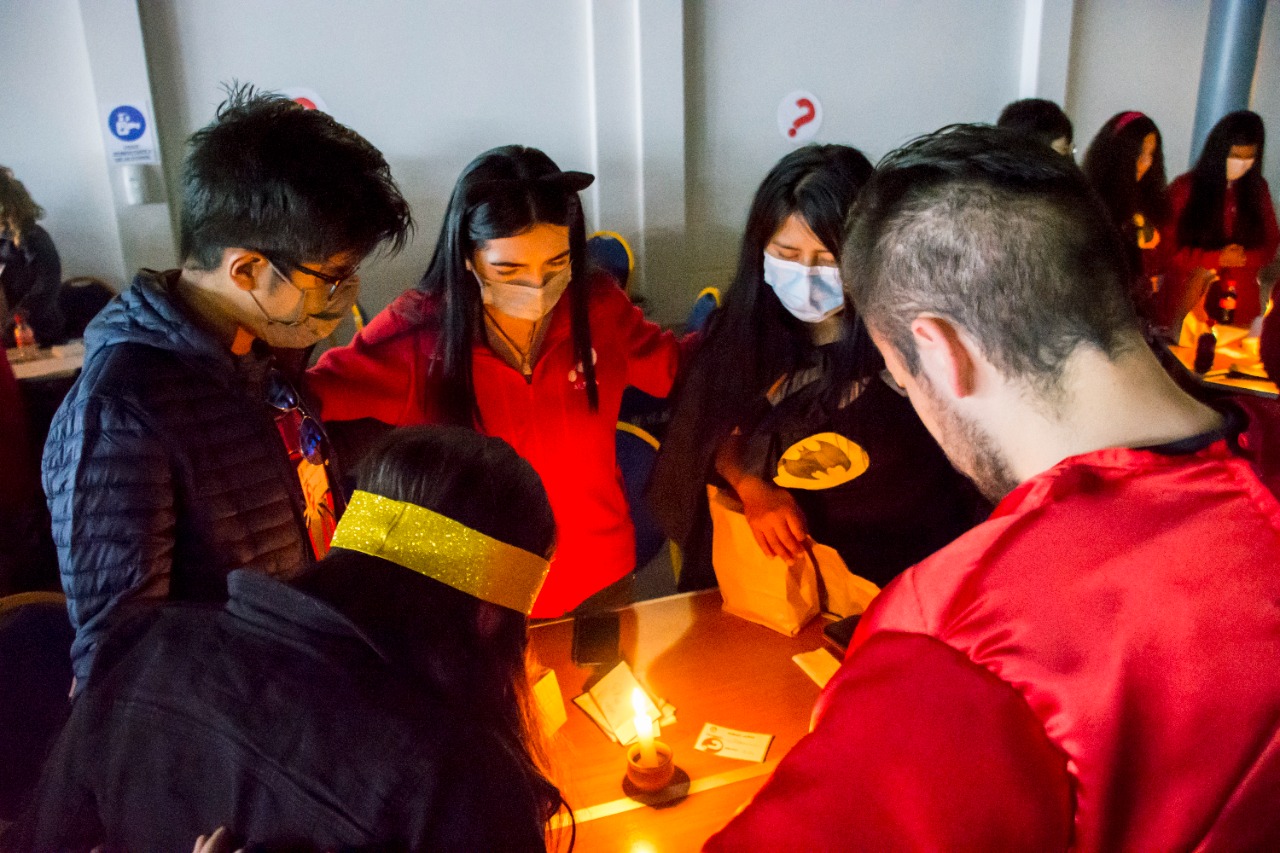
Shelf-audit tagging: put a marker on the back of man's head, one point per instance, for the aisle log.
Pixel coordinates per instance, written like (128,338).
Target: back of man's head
(997,234)
(270,175)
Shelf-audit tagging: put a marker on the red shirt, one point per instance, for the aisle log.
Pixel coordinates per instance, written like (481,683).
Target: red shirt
(1245,278)
(383,374)
(1094,668)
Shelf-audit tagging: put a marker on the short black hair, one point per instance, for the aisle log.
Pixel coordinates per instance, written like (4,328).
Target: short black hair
(268,174)
(1044,120)
(998,234)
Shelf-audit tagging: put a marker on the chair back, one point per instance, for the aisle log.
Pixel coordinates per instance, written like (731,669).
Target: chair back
(611,252)
(637,451)
(81,299)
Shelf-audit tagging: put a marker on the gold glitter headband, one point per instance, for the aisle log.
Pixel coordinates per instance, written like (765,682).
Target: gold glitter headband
(441,548)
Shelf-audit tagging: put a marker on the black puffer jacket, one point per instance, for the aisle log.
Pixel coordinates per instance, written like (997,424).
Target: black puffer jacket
(164,468)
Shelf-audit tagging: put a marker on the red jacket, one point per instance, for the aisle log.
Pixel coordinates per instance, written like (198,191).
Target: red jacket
(1187,258)
(383,374)
(1094,668)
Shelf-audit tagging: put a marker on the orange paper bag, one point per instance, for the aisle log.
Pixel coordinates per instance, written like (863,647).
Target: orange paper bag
(777,593)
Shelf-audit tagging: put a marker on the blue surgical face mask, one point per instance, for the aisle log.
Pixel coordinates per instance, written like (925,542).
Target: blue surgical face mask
(811,294)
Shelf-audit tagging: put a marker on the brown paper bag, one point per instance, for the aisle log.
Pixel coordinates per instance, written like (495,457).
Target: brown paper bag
(769,591)
(840,592)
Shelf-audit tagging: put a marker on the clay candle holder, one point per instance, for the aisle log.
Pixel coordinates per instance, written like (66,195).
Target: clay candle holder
(649,764)
(650,777)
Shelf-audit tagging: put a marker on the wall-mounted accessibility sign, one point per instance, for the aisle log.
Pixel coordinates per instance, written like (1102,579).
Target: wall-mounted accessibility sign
(130,136)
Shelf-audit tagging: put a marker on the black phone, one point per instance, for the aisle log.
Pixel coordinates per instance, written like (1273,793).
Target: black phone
(595,639)
(840,632)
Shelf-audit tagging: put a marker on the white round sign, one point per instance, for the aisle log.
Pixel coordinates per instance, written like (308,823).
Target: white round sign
(799,116)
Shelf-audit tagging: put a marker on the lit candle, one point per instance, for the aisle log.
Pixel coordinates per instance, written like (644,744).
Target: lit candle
(644,728)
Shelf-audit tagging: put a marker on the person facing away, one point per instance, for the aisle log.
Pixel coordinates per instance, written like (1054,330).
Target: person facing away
(30,270)
(1125,164)
(1089,669)
(785,405)
(181,453)
(1225,223)
(380,698)
(509,332)
(1042,120)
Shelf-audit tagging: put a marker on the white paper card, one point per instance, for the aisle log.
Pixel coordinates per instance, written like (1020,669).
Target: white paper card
(818,664)
(731,743)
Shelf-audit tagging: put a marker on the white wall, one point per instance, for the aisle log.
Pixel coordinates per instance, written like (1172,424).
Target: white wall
(431,84)
(1266,93)
(1138,55)
(49,133)
(884,72)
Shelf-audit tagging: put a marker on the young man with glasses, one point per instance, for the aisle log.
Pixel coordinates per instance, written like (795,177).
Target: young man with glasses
(182,453)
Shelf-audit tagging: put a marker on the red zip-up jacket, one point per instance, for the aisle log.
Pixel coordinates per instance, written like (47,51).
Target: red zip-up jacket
(383,374)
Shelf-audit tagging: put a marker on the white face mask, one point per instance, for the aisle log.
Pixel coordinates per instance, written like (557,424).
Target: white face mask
(811,294)
(1237,166)
(525,301)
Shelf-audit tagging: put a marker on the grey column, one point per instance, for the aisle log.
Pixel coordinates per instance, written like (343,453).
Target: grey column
(1230,58)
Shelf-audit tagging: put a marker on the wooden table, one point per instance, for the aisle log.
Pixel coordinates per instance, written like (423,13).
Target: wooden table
(713,667)
(1236,365)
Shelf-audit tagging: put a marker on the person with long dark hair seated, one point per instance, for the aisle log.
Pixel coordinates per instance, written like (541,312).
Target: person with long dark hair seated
(1125,164)
(30,270)
(1225,222)
(380,698)
(783,367)
(510,332)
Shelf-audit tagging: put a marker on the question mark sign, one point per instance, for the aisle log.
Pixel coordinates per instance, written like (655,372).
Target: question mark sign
(799,116)
(805,117)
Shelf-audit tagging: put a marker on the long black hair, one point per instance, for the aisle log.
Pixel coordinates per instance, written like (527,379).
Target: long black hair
(469,653)
(1201,222)
(501,193)
(754,340)
(1110,165)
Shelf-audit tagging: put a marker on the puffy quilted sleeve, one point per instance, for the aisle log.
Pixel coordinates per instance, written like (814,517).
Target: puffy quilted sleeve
(109,483)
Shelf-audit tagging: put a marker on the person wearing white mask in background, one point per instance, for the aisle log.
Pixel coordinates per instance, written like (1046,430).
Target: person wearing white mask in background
(509,332)
(1225,223)
(784,403)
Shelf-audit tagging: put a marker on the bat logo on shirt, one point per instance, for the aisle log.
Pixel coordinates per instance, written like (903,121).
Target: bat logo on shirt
(821,461)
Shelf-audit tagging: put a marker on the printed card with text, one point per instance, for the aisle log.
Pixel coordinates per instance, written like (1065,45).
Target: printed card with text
(731,743)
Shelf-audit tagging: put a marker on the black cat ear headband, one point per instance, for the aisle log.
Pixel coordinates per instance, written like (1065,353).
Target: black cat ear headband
(565,181)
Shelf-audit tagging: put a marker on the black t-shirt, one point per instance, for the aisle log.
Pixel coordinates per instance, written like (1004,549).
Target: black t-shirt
(871,480)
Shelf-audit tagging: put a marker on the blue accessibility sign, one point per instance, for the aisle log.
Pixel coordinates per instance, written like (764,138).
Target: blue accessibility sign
(126,123)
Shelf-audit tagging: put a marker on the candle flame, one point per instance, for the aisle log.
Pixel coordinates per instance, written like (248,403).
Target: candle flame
(640,702)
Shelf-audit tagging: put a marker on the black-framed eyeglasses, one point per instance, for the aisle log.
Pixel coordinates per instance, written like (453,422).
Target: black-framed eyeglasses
(334,284)
(283,397)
